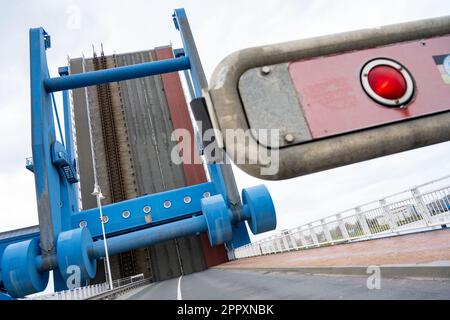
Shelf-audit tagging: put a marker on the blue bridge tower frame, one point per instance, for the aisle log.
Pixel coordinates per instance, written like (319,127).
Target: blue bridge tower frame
(69,237)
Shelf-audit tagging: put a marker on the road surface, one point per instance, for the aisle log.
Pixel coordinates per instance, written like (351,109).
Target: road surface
(215,284)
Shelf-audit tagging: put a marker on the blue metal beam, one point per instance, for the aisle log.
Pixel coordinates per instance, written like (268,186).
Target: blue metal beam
(46,175)
(221,173)
(131,214)
(147,237)
(68,134)
(116,74)
(198,75)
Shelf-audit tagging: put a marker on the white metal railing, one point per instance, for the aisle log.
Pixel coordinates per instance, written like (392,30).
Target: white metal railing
(83,293)
(423,207)
(126,281)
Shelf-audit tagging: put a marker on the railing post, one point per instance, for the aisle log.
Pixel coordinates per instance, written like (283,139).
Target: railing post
(420,203)
(303,242)
(363,222)
(231,253)
(273,248)
(313,235)
(342,227)
(257,249)
(293,241)
(326,231)
(265,248)
(285,242)
(278,242)
(260,243)
(388,214)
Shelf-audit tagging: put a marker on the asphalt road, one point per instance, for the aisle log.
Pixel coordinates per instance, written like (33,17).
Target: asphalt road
(215,284)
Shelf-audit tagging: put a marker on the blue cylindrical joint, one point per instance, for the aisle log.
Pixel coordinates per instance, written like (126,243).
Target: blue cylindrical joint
(116,74)
(258,209)
(148,237)
(20,275)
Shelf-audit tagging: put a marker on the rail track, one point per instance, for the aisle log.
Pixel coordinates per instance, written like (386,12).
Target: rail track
(111,141)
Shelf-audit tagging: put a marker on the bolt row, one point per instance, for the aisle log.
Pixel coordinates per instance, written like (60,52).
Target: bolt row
(146,209)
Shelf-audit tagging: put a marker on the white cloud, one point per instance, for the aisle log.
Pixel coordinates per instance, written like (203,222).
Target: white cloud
(18,200)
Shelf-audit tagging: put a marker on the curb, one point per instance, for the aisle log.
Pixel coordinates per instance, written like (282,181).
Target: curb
(423,272)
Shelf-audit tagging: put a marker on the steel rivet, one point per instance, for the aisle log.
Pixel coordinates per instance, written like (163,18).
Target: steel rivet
(207,194)
(167,204)
(147,209)
(105,219)
(289,138)
(83,224)
(187,199)
(265,70)
(126,214)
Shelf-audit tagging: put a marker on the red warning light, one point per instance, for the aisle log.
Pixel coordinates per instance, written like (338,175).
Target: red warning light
(387,82)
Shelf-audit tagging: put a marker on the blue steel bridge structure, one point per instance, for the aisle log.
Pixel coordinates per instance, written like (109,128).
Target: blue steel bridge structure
(61,241)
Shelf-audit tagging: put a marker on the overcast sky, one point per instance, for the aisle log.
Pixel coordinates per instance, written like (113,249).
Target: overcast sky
(219,27)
